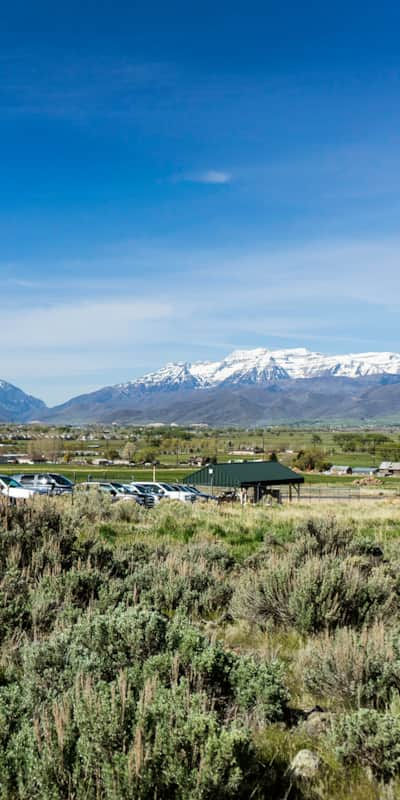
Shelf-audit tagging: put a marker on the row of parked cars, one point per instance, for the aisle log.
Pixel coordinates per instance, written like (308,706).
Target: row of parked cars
(145,493)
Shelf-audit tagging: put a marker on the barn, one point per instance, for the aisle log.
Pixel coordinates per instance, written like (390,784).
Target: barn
(260,477)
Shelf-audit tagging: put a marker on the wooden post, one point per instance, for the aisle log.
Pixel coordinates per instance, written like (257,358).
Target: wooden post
(290,492)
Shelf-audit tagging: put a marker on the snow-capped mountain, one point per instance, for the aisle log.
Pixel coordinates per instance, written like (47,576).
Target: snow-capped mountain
(261,365)
(248,387)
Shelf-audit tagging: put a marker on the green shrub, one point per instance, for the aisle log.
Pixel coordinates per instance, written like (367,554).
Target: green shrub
(129,704)
(330,536)
(320,593)
(260,688)
(109,745)
(369,738)
(353,668)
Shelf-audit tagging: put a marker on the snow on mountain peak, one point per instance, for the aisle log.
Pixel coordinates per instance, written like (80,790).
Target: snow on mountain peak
(260,365)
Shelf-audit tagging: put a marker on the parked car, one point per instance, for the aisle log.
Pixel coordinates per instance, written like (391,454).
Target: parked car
(107,487)
(165,491)
(136,487)
(131,494)
(198,495)
(149,499)
(48,482)
(11,488)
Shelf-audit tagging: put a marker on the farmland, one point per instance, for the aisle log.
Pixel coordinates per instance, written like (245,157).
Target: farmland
(130,452)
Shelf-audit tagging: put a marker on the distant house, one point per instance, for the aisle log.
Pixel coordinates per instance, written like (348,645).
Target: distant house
(389,468)
(246,451)
(364,471)
(15,458)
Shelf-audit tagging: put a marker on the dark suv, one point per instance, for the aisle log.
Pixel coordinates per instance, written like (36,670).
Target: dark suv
(46,482)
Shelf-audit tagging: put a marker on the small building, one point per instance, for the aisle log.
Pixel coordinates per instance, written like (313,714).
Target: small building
(262,477)
(389,468)
(338,469)
(364,471)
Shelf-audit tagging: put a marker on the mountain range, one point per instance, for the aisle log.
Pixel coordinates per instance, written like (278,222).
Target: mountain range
(248,387)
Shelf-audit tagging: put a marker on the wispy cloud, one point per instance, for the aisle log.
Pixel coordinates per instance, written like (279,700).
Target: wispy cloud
(82,324)
(208,176)
(213,176)
(329,295)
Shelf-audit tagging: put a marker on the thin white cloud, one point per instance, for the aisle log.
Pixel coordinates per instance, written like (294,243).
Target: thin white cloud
(214,176)
(211,176)
(81,324)
(318,294)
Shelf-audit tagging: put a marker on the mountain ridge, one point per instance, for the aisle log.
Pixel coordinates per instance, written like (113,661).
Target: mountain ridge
(16,405)
(247,387)
(260,364)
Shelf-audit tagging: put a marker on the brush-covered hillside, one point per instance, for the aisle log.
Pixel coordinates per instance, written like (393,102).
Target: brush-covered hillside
(199,653)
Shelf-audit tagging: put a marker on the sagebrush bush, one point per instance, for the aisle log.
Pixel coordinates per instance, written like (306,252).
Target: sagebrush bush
(109,745)
(353,668)
(125,703)
(370,738)
(322,592)
(323,536)
(107,689)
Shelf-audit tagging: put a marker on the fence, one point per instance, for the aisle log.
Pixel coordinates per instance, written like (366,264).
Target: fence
(311,492)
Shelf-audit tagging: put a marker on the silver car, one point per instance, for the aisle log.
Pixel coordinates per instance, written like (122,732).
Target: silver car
(46,482)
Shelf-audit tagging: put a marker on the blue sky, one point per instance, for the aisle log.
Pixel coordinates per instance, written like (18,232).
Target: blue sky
(179,180)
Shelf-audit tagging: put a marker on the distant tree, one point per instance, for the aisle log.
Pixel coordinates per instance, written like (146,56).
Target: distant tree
(129,451)
(147,455)
(111,453)
(312,460)
(48,449)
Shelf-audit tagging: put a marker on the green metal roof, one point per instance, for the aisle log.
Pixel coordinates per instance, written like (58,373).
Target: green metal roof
(269,473)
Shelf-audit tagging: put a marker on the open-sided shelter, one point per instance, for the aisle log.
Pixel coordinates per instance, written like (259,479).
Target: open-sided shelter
(262,476)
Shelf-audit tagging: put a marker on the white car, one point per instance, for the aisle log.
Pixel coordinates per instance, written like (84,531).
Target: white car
(11,488)
(165,491)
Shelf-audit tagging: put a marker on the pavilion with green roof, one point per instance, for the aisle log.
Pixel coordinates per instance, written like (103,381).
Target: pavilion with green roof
(263,477)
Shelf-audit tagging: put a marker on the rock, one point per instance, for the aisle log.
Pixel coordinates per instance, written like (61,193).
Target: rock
(317,723)
(305,765)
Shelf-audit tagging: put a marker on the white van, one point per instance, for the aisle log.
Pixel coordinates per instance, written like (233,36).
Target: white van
(165,491)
